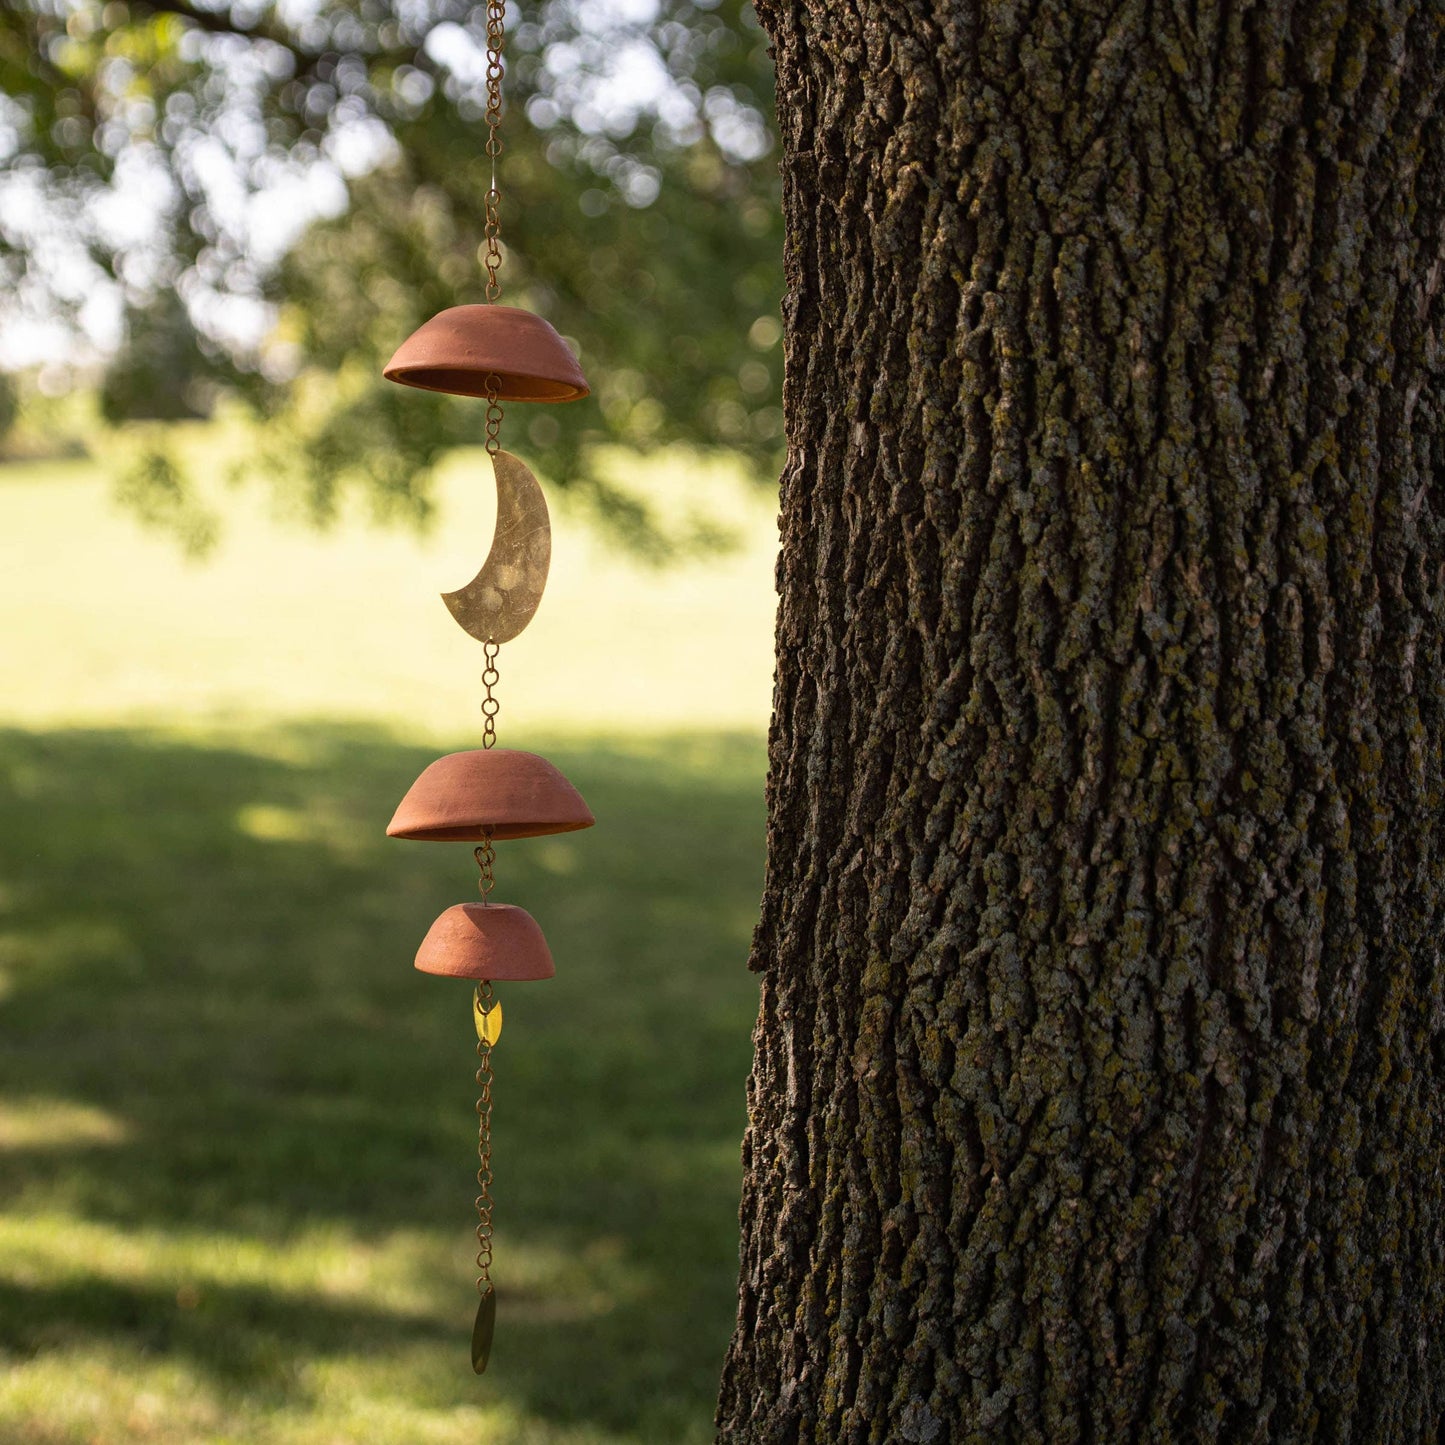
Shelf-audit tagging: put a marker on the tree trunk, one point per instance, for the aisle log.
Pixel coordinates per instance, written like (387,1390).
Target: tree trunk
(1098,1084)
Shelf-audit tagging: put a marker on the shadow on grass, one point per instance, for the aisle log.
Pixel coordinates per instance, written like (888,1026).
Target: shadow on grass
(208,944)
(244,1335)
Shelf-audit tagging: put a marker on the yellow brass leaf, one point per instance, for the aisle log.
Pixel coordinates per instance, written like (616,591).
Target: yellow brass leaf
(488,1020)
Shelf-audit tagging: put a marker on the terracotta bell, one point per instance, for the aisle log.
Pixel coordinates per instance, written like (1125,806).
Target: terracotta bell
(486,940)
(489,793)
(461,347)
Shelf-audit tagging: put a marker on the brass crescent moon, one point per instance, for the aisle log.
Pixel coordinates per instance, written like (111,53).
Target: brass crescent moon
(500,600)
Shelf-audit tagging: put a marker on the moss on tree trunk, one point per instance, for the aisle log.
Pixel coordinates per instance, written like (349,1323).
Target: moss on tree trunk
(1098,1084)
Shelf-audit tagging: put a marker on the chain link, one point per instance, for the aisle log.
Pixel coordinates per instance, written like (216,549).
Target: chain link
(484,1149)
(486,855)
(494,414)
(496,41)
(490,706)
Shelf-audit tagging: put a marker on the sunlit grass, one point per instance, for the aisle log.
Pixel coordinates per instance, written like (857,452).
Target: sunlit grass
(236,1127)
(103,621)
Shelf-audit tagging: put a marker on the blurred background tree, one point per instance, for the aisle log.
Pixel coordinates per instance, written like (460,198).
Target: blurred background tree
(257,202)
(9,405)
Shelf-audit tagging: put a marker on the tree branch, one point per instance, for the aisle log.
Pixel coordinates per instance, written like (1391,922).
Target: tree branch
(223,22)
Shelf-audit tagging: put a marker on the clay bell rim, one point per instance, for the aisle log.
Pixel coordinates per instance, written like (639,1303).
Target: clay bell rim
(460,348)
(495,793)
(486,940)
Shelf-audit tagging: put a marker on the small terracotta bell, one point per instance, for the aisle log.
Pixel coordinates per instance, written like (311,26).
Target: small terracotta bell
(489,793)
(461,347)
(486,940)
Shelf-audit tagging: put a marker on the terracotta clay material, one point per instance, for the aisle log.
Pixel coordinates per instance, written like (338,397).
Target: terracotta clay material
(459,348)
(486,940)
(489,793)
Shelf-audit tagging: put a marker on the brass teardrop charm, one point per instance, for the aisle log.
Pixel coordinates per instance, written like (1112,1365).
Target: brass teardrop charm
(482,1331)
(488,1019)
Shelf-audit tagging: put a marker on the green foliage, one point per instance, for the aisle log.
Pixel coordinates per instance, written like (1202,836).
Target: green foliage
(641,217)
(154,487)
(9,405)
(159,373)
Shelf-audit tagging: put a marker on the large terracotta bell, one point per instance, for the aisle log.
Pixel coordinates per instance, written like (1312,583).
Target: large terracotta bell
(491,793)
(460,349)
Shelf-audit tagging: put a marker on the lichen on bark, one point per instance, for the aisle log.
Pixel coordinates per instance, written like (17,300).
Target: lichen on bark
(1098,1080)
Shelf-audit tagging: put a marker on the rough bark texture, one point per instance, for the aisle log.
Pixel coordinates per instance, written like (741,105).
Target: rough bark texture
(1098,1086)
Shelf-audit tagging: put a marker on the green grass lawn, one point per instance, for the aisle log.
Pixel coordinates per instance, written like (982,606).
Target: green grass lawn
(236,1126)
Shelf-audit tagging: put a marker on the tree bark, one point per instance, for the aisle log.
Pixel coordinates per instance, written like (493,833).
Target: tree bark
(1098,1079)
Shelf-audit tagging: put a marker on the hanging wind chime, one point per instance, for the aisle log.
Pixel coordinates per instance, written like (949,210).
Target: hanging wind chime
(489,794)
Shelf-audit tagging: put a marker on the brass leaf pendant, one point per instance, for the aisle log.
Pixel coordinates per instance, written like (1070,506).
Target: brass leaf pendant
(488,1019)
(482,1331)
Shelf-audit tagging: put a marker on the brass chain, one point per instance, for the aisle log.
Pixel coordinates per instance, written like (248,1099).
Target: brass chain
(496,40)
(490,706)
(484,1148)
(494,415)
(486,855)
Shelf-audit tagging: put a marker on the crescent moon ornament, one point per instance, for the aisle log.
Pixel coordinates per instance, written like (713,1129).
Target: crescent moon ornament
(501,599)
